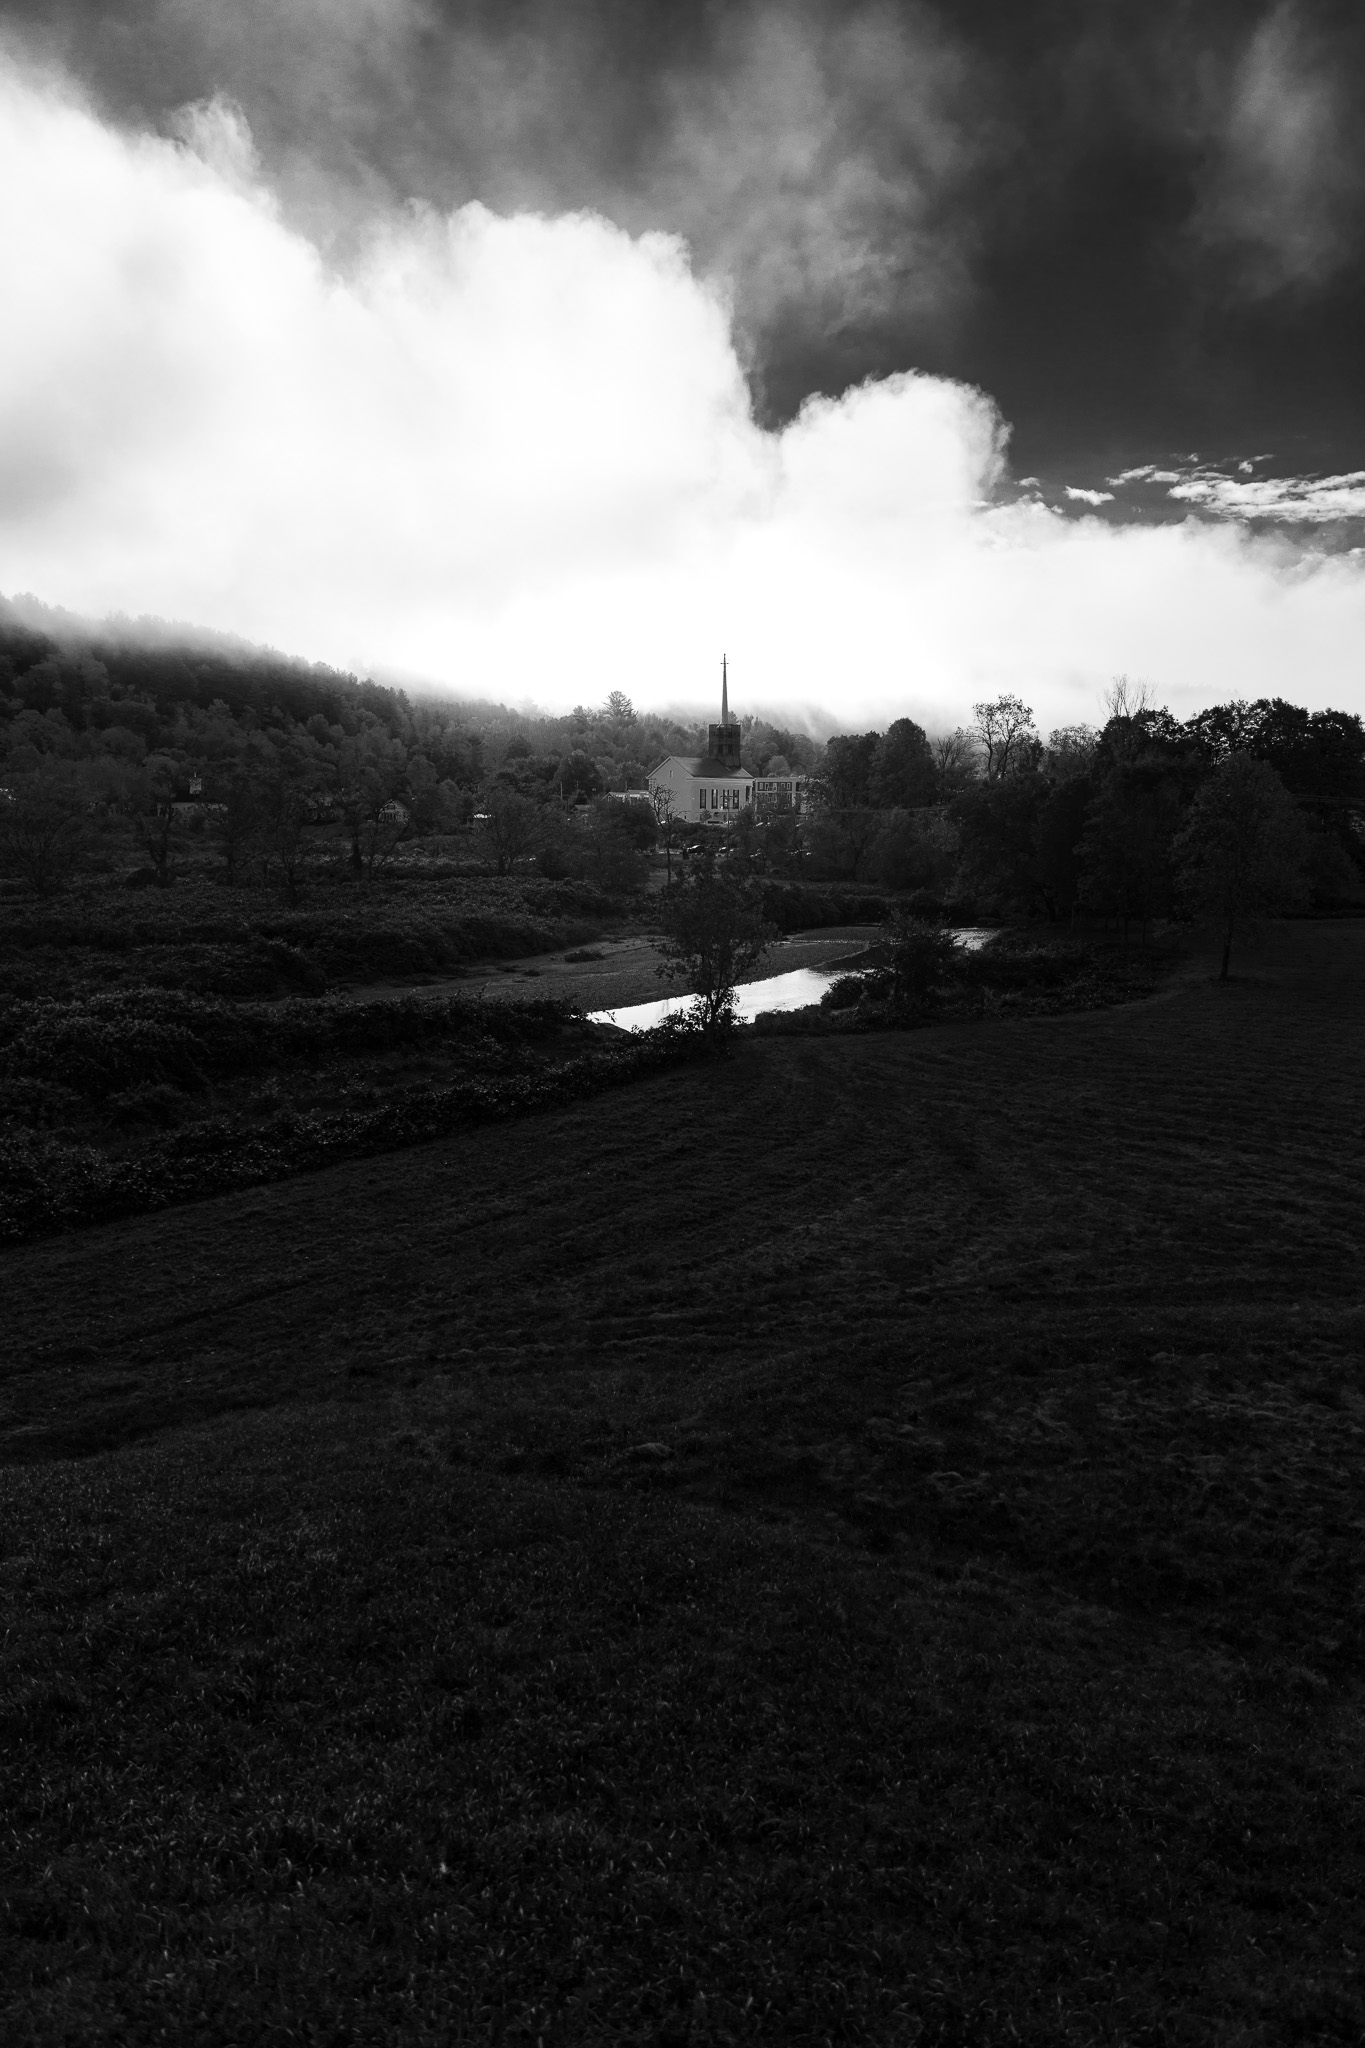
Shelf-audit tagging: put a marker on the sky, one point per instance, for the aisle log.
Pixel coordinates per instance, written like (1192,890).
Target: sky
(907,354)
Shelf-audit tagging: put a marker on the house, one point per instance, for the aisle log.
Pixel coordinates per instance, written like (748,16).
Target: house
(712,788)
(393,813)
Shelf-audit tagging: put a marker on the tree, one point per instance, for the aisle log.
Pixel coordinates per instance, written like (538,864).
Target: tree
(903,768)
(1005,729)
(922,957)
(848,769)
(44,826)
(997,821)
(155,825)
(1129,698)
(1244,848)
(509,823)
(663,818)
(1071,750)
(954,758)
(1057,834)
(578,775)
(237,815)
(286,815)
(714,935)
(370,773)
(1125,850)
(615,839)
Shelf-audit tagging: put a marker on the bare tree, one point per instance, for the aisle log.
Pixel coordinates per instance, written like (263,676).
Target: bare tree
(1128,698)
(1005,728)
(663,812)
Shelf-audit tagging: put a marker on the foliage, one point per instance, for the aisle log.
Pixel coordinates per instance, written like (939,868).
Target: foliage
(51,1182)
(44,826)
(1005,732)
(714,933)
(1243,849)
(792,908)
(921,959)
(510,825)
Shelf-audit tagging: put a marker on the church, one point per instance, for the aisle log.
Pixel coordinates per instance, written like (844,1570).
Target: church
(712,788)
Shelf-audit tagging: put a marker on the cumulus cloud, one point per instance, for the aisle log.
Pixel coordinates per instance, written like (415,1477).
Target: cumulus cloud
(516,455)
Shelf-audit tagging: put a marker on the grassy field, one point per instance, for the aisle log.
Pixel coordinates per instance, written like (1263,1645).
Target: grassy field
(858,1543)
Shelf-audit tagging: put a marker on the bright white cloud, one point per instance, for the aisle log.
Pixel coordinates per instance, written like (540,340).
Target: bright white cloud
(1085,497)
(516,456)
(1317,500)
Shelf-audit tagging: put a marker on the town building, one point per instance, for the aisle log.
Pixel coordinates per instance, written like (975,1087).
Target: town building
(712,788)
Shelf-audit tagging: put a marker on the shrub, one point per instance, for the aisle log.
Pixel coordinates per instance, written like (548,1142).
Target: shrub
(922,959)
(846,992)
(156,1103)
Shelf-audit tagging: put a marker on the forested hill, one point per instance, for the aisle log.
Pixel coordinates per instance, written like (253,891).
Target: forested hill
(128,691)
(53,660)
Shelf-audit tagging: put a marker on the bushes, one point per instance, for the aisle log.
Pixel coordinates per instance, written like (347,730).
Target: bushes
(922,959)
(138,1037)
(928,974)
(238,943)
(49,1184)
(793,908)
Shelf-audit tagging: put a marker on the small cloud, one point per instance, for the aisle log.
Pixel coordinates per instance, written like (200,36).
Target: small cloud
(1089,497)
(1312,500)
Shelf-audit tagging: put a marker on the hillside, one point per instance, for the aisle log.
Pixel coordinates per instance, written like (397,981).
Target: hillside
(859,1542)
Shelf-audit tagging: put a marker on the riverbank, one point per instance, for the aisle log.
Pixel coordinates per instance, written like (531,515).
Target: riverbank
(611,974)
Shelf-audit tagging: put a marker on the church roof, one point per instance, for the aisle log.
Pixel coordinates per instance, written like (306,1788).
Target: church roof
(706,768)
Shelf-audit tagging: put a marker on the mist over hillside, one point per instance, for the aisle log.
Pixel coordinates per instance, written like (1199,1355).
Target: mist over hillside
(124,688)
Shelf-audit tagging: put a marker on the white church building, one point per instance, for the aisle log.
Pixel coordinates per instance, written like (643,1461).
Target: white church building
(712,788)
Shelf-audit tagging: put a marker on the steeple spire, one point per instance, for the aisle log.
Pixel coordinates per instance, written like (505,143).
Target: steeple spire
(724,693)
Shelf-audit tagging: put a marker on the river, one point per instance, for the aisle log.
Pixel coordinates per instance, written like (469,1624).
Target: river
(798,990)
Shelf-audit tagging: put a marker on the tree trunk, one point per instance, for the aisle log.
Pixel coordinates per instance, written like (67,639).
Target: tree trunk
(1227,954)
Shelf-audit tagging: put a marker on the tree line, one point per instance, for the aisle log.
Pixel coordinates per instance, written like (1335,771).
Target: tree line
(1091,820)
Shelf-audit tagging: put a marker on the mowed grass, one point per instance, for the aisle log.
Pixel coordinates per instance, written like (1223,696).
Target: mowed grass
(862,1543)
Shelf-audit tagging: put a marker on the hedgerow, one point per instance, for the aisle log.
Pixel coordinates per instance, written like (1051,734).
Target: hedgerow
(48,1183)
(123,1038)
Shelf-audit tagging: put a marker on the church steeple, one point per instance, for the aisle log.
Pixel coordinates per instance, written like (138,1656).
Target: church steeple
(723,740)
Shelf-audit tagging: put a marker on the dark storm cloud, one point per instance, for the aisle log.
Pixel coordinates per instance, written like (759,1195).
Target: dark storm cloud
(1137,227)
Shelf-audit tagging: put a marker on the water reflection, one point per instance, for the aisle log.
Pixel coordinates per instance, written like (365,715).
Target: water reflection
(794,991)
